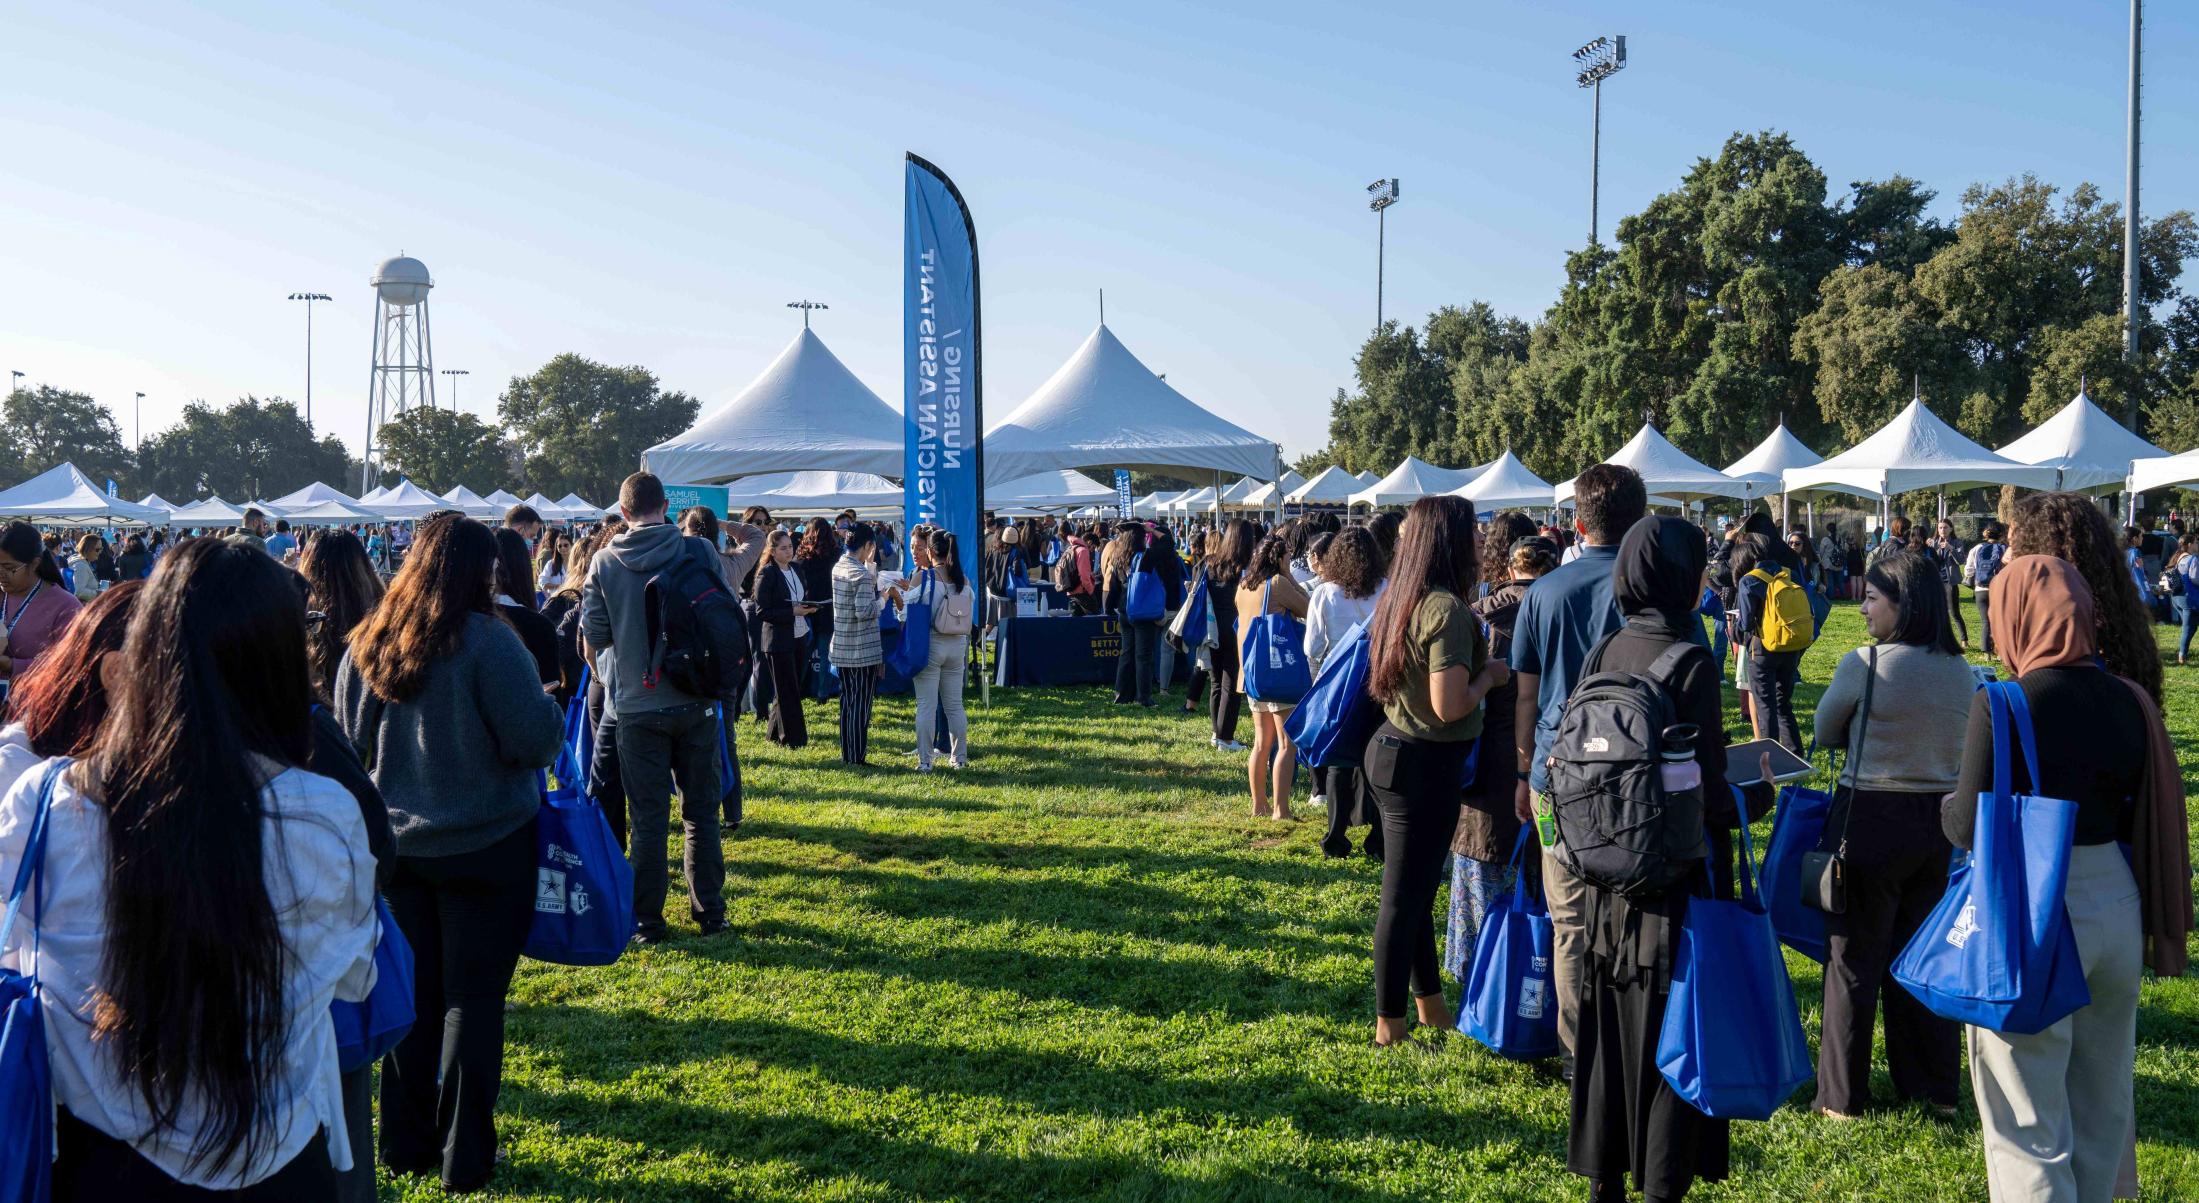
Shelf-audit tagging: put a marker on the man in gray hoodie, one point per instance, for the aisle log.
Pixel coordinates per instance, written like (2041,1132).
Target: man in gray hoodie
(661,732)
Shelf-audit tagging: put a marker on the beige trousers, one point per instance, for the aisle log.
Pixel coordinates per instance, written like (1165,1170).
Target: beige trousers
(1567,897)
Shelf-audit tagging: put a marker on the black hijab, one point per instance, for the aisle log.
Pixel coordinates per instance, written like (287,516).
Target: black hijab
(1659,573)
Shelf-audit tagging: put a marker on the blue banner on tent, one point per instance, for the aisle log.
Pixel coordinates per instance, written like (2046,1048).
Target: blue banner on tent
(1122,492)
(943,423)
(687,497)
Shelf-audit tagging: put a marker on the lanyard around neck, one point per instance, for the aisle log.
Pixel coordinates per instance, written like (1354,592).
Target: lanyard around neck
(19,610)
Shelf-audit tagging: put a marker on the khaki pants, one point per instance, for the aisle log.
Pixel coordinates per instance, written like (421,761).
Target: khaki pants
(1567,897)
(2056,1108)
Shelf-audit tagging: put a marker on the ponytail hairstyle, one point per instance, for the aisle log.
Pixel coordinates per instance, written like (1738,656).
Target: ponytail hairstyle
(946,555)
(22,543)
(190,1009)
(1435,550)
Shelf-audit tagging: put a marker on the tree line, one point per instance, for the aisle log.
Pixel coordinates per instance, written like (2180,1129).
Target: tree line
(1751,294)
(573,426)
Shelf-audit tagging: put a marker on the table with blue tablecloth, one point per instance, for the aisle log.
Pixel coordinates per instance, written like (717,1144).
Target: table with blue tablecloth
(1058,651)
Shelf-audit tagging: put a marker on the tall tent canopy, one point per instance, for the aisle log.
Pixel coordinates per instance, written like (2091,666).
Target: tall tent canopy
(1366,477)
(330,513)
(405,501)
(1413,479)
(822,492)
(1235,495)
(1197,501)
(373,495)
(1152,504)
(575,506)
(156,501)
(1058,490)
(64,496)
(1667,471)
(1104,409)
(311,495)
(472,504)
(211,512)
(1333,486)
(2149,474)
(1762,467)
(1272,493)
(1916,451)
(2088,449)
(549,510)
(1506,485)
(503,498)
(806,411)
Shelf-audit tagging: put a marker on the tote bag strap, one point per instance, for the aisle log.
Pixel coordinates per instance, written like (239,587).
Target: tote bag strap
(2010,695)
(1855,757)
(30,876)
(1745,862)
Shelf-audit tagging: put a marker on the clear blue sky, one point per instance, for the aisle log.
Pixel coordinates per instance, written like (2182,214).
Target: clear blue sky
(651,183)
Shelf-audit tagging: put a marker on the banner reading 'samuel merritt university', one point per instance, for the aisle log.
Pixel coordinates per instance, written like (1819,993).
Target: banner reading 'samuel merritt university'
(943,477)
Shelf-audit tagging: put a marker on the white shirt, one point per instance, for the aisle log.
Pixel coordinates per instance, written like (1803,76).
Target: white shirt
(552,578)
(1330,613)
(320,879)
(794,590)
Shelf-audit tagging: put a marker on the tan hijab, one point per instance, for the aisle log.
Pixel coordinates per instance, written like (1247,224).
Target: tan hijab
(2043,618)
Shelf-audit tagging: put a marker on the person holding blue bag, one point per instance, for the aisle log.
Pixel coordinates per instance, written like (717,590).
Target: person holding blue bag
(1271,611)
(1140,595)
(448,707)
(2056,1105)
(181,1061)
(1626,1118)
(1883,706)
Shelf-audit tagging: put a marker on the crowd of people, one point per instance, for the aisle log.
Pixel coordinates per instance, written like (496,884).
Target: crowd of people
(304,737)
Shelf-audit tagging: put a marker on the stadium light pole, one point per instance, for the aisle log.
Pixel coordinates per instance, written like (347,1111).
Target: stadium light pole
(15,381)
(309,298)
(1381,195)
(2131,315)
(454,373)
(1598,61)
(137,422)
(806,307)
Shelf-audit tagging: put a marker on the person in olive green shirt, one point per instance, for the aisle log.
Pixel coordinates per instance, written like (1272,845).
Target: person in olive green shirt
(1430,669)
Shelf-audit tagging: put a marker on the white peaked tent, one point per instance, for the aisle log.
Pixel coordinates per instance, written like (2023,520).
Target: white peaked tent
(211,512)
(1367,477)
(311,495)
(805,412)
(1104,409)
(63,496)
(1152,504)
(472,504)
(2149,474)
(1666,470)
(405,501)
(548,510)
(1762,468)
(156,501)
(1916,451)
(503,498)
(1414,479)
(372,495)
(330,513)
(2086,448)
(1235,496)
(1333,486)
(1197,501)
(1271,494)
(574,505)
(1059,490)
(822,492)
(1506,485)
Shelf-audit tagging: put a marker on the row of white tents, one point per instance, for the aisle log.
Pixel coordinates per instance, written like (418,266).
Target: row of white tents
(64,496)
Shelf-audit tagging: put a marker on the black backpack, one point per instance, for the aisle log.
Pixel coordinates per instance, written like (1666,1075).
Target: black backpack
(1617,826)
(698,637)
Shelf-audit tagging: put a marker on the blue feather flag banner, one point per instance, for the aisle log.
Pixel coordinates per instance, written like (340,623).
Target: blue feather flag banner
(943,422)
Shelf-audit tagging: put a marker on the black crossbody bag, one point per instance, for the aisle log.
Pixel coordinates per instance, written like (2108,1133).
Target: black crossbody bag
(1825,874)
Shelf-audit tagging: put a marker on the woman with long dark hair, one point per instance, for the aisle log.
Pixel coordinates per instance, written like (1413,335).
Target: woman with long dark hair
(515,603)
(816,553)
(58,707)
(344,590)
(1430,669)
(783,612)
(939,682)
(1225,567)
(447,705)
(1137,658)
(857,653)
(2072,527)
(1890,707)
(34,606)
(1350,588)
(206,899)
(1268,587)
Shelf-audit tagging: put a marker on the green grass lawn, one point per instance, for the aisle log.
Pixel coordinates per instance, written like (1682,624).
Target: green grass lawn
(1080,971)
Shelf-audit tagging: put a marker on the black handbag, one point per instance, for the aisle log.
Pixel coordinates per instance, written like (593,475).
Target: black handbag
(1825,874)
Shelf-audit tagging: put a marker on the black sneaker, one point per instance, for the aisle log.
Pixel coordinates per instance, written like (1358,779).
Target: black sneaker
(712,927)
(649,938)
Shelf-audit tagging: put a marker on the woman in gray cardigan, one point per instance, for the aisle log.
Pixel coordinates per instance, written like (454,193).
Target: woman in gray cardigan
(1904,751)
(448,711)
(857,653)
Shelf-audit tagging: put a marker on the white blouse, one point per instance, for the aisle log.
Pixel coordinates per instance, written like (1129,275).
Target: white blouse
(794,590)
(320,879)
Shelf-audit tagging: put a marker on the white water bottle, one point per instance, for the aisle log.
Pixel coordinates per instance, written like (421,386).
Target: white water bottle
(1680,772)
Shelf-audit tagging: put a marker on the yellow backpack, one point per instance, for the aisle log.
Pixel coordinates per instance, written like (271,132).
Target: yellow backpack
(1788,624)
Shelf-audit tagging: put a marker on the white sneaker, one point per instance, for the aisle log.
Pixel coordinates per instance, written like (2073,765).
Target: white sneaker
(1320,801)
(1228,745)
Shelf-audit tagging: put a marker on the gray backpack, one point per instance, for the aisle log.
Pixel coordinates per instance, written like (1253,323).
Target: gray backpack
(1618,827)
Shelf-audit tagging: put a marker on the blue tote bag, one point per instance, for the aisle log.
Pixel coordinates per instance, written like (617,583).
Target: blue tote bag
(367,1029)
(1144,598)
(1796,829)
(578,749)
(1998,951)
(1274,661)
(584,889)
(914,651)
(1510,1004)
(1332,723)
(1189,628)
(1732,1043)
(26,1078)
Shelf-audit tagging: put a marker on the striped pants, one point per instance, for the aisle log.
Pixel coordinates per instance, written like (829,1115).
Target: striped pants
(858,691)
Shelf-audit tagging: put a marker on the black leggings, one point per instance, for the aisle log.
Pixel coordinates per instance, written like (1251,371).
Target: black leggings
(1226,700)
(94,1167)
(1954,610)
(1414,784)
(1774,675)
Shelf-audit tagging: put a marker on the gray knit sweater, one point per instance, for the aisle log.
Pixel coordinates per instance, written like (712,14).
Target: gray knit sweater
(1920,709)
(458,764)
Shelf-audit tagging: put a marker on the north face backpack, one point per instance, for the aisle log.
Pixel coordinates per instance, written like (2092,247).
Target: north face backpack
(1789,626)
(698,637)
(1617,825)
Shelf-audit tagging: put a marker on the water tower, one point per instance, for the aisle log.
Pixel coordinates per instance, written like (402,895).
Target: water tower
(404,349)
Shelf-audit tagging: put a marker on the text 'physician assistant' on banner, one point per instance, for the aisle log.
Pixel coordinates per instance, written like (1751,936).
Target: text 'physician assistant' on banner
(943,477)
